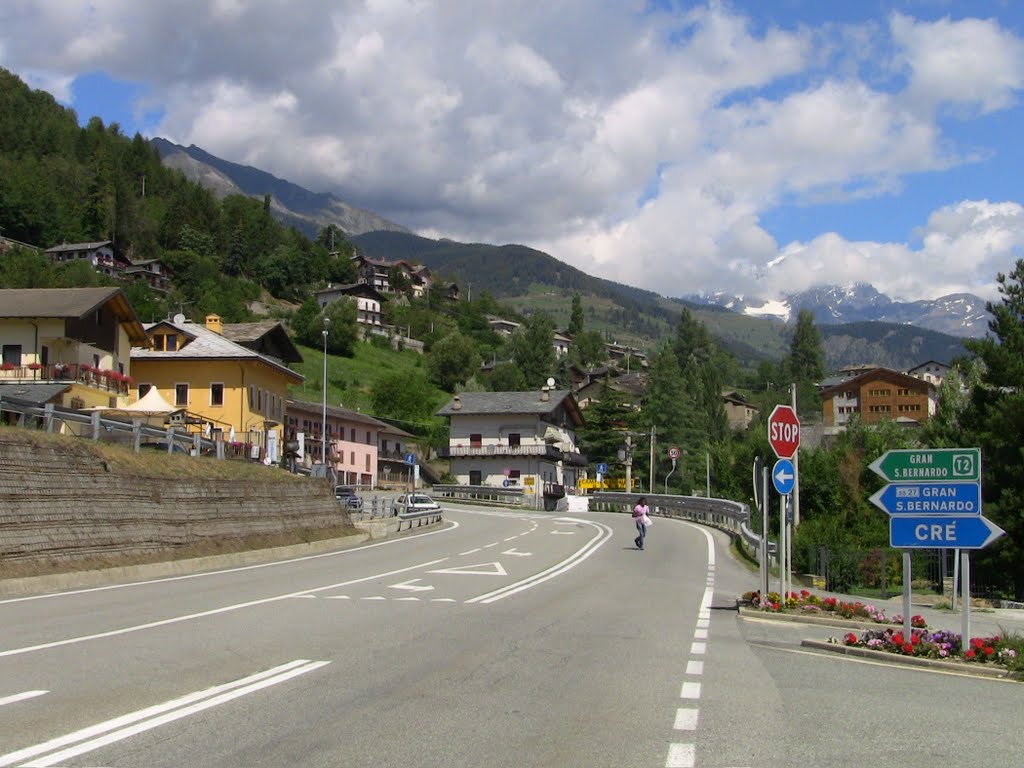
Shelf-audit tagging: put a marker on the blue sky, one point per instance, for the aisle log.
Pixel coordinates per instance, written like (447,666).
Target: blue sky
(750,147)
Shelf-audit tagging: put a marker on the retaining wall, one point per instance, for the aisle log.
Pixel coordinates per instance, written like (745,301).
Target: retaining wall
(59,500)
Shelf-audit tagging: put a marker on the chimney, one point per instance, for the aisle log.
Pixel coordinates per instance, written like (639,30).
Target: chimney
(456,403)
(544,394)
(214,324)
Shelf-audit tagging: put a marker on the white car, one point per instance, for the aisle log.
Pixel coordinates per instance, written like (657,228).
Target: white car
(415,503)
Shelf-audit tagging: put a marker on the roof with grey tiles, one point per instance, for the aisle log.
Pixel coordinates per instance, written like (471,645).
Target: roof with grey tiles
(205,344)
(481,403)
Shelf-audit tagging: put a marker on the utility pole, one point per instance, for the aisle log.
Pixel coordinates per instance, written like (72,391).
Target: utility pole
(651,483)
(629,463)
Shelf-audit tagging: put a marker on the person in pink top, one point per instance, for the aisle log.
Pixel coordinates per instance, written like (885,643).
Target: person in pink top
(640,517)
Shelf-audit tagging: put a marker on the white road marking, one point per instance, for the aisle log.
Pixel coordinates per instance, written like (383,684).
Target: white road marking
(479,569)
(511,538)
(244,685)
(695,668)
(337,597)
(20,697)
(450,525)
(680,756)
(603,534)
(211,612)
(443,600)
(407,599)
(698,649)
(690,691)
(517,553)
(303,597)
(470,552)
(412,586)
(703,623)
(373,597)
(563,533)
(686,720)
(700,634)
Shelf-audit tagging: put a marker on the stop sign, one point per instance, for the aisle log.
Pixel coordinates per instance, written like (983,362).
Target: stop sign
(784,431)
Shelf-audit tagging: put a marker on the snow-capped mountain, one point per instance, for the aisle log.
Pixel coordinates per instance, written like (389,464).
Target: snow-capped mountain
(958,314)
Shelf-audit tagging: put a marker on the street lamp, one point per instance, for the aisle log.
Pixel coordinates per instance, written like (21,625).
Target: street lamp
(323,434)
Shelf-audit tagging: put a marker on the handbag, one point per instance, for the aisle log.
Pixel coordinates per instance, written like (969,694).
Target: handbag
(646,520)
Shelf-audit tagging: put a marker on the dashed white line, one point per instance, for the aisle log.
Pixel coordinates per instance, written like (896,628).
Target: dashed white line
(700,634)
(690,691)
(698,649)
(695,668)
(686,719)
(680,756)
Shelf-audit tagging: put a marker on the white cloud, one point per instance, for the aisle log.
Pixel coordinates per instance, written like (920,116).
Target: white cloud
(547,124)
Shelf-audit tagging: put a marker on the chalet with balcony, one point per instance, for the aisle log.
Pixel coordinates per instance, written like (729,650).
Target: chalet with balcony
(369,302)
(67,346)
(516,439)
(738,411)
(931,371)
(153,272)
(877,395)
(100,255)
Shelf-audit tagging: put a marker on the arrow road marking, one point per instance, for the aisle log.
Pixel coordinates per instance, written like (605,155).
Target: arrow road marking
(412,586)
(517,553)
(480,569)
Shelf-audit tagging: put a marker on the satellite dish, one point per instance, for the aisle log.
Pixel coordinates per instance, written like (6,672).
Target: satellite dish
(179,319)
(551,382)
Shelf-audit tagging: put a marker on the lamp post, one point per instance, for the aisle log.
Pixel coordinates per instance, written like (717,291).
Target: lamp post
(323,434)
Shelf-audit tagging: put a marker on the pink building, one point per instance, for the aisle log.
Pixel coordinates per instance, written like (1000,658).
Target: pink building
(352,440)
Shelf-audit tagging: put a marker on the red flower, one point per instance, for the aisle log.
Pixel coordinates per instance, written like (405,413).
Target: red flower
(851,639)
(977,642)
(914,639)
(970,654)
(989,650)
(908,648)
(897,639)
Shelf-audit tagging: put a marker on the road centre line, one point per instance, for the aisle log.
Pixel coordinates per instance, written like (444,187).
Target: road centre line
(13,698)
(211,612)
(686,719)
(275,674)
(604,533)
(450,525)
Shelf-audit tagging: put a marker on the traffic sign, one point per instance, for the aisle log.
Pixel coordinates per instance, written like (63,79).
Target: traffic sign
(936,464)
(929,499)
(673,453)
(948,532)
(784,431)
(783,476)
(602,468)
(410,458)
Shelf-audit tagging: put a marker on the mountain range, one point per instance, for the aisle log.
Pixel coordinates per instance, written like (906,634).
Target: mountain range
(858,324)
(958,314)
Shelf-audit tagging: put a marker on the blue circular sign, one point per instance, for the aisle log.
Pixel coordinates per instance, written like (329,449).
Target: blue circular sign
(784,476)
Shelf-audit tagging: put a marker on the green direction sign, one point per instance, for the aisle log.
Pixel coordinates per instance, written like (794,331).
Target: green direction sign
(936,465)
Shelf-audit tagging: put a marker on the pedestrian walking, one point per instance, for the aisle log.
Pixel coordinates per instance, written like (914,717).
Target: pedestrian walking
(642,520)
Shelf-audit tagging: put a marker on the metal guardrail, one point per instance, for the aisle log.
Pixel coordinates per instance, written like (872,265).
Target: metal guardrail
(92,424)
(421,517)
(480,494)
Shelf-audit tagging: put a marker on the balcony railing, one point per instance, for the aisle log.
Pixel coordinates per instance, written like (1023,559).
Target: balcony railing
(483,451)
(109,381)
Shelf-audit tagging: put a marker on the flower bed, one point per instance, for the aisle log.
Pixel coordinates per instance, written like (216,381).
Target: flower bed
(1003,650)
(806,604)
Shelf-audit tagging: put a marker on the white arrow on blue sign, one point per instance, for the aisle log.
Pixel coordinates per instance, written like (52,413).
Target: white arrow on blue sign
(783,476)
(947,532)
(929,499)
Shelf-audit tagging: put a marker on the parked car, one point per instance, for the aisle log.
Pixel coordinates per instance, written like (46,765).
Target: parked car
(415,503)
(347,495)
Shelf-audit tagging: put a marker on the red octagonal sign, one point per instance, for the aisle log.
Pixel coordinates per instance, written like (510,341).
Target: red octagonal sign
(784,431)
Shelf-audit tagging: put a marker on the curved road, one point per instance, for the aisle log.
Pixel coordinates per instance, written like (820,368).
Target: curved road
(502,638)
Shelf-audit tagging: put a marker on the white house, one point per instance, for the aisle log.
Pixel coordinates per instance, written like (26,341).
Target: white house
(516,440)
(368,302)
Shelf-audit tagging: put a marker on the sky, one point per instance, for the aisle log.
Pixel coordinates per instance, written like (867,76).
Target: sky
(754,148)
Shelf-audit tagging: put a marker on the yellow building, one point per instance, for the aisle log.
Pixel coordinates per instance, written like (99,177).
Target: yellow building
(231,380)
(67,346)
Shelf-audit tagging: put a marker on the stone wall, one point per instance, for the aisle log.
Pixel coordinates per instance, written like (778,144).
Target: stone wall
(61,499)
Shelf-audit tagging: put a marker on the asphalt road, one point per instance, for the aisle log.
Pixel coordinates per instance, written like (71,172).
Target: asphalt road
(500,639)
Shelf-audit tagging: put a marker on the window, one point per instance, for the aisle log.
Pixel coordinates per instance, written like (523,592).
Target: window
(903,392)
(369,438)
(143,389)
(514,474)
(181,395)
(217,394)
(252,396)
(367,462)
(474,477)
(879,392)
(476,440)
(172,342)
(12,354)
(352,434)
(95,361)
(513,439)
(352,458)
(44,355)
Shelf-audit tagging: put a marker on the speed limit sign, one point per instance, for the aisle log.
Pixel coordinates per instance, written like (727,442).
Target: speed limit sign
(673,452)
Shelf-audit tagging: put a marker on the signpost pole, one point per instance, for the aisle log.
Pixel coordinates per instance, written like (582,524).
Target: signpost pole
(764,529)
(956,578)
(796,476)
(783,565)
(906,594)
(965,599)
